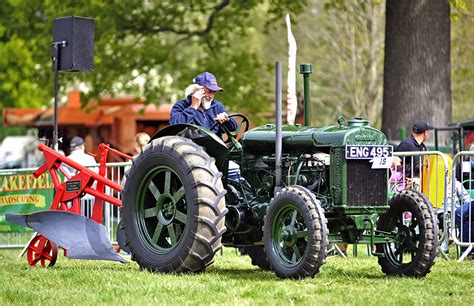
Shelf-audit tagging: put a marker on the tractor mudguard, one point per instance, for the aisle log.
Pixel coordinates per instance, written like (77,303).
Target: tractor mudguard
(214,145)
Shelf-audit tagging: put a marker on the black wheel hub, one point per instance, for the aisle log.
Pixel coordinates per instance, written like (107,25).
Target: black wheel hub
(404,239)
(289,236)
(166,208)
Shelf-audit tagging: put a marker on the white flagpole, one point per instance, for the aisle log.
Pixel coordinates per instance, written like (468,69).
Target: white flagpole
(291,100)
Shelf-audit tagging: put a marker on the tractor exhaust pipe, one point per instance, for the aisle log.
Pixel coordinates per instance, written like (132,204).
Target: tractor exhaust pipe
(306,70)
(278,123)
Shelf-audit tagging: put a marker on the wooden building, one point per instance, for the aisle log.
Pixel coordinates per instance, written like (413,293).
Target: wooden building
(114,121)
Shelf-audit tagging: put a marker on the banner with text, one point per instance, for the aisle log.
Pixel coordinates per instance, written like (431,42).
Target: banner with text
(22,193)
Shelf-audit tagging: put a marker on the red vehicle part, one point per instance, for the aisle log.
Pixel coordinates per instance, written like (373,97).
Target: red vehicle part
(67,198)
(81,183)
(43,251)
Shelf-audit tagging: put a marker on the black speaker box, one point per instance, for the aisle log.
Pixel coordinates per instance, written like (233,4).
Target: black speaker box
(78,32)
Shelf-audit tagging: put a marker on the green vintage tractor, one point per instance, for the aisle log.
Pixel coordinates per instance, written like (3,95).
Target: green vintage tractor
(281,193)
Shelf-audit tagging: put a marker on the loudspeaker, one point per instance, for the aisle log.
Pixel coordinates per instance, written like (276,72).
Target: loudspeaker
(78,32)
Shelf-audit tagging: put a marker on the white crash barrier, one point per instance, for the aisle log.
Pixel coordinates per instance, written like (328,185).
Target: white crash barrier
(427,172)
(462,217)
(446,182)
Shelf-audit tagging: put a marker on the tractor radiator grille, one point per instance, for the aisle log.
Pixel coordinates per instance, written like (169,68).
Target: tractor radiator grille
(365,186)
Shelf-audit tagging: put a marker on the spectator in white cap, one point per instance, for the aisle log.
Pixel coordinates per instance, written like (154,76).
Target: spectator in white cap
(79,155)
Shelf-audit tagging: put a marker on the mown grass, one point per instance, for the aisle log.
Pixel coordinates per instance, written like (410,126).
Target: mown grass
(231,280)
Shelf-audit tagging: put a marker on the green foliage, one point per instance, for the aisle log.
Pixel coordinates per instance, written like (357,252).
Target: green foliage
(462,64)
(152,49)
(457,6)
(4,132)
(17,80)
(344,42)
(231,280)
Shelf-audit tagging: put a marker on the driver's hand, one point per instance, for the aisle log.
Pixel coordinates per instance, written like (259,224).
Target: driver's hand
(196,98)
(222,117)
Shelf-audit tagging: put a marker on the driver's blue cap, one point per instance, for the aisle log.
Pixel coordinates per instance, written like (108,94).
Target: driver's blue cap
(208,80)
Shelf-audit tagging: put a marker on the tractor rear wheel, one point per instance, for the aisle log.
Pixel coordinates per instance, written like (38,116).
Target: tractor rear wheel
(412,220)
(173,207)
(295,233)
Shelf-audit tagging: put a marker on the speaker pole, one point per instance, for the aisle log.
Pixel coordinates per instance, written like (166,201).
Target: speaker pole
(56,45)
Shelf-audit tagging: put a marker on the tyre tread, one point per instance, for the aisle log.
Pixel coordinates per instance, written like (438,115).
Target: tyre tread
(421,267)
(313,262)
(210,228)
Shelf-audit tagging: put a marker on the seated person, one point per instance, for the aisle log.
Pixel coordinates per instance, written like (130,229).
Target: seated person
(140,140)
(200,108)
(461,198)
(465,170)
(464,218)
(464,215)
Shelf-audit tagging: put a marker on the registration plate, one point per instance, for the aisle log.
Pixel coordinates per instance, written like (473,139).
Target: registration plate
(368,152)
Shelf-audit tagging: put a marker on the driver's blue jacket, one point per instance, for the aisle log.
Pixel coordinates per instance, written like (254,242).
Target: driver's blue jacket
(182,112)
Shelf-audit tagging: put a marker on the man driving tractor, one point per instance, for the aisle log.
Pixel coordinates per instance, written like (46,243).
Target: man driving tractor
(200,108)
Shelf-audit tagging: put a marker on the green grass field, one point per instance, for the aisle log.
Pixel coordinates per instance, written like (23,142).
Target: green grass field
(231,280)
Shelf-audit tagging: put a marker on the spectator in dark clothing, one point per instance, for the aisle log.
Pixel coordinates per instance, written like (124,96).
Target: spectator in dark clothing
(415,143)
(200,108)
(464,219)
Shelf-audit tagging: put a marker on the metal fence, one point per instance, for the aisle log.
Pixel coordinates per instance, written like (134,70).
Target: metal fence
(462,196)
(427,172)
(14,239)
(111,218)
(449,186)
(116,173)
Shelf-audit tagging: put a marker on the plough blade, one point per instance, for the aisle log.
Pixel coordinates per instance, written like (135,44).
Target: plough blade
(82,237)
(17,219)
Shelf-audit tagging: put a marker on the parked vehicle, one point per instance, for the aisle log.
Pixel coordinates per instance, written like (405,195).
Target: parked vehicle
(14,152)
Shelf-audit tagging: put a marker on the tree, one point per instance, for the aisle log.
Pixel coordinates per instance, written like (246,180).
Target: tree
(417,81)
(151,49)
(351,40)
(462,60)
(344,42)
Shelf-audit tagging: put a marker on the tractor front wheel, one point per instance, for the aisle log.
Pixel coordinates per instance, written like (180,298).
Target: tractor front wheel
(173,207)
(412,220)
(295,233)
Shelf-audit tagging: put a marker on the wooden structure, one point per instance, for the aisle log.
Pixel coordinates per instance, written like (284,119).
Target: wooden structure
(114,121)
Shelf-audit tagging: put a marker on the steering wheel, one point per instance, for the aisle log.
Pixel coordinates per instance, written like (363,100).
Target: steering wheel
(234,137)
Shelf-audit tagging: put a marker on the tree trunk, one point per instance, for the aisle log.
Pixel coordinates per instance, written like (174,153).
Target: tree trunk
(417,81)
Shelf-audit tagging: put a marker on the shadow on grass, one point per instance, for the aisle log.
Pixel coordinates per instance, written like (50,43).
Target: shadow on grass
(328,272)
(337,269)
(251,275)
(350,272)
(248,274)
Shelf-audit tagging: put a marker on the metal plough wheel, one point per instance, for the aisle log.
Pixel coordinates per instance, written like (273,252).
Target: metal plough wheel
(43,251)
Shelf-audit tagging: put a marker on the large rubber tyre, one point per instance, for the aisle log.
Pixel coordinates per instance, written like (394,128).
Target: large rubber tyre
(258,256)
(295,233)
(173,207)
(410,216)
